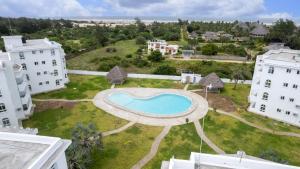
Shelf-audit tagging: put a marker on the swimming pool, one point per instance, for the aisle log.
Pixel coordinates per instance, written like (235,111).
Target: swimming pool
(162,104)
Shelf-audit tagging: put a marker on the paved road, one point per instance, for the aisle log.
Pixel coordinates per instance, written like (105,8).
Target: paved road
(206,139)
(153,150)
(281,133)
(118,130)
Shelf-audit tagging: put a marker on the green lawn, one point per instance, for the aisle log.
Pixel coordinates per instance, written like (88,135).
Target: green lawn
(123,150)
(59,122)
(152,83)
(84,61)
(180,142)
(239,95)
(232,136)
(79,87)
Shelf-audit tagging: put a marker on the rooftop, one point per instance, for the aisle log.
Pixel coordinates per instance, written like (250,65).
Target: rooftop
(29,151)
(286,55)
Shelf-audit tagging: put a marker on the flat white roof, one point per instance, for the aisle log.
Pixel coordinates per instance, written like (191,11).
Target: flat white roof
(29,151)
(36,44)
(286,55)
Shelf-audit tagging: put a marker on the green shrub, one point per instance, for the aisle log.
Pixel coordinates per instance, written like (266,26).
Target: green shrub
(165,70)
(210,49)
(155,56)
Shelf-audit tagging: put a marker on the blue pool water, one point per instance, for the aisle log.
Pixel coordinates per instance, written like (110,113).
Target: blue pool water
(164,104)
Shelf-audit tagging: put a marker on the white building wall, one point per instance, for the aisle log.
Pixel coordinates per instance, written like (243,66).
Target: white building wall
(285,109)
(163,47)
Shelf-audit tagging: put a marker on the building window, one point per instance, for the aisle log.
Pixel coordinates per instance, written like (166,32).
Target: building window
(287,112)
(298,72)
(271,70)
(292,99)
(45,72)
(29,86)
(43,62)
(0,93)
(282,97)
(2,107)
(57,82)
(285,84)
(265,96)
(55,72)
(268,83)
(33,52)
(38,73)
(52,52)
(27,77)
(54,166)
(66,76)
(41,83)
(295,86)
(288,70)
(24,67)
(53,62)
(21,54)
(36,63)
(47,82)
(5,122)
(278,110)
(262,108)
(25,107)
(41,51)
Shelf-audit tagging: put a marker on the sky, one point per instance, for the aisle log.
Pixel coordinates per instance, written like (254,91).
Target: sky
(217,9)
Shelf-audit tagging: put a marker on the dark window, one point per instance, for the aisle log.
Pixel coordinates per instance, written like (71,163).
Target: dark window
(288,70)
(43,62)
(285,84)
(41,51)
(36,63)
(2,107)
(52,52)
(55,72)
(262,108)
(47,82)
(295,86)
(278,110)
(21,54)
(271,70)
(33,52)
(57,82)
(292,99)
(54,63)
(38,73)
(268,83)
(25,107)
(41,83)
(5,122)
(282,97)
(288,112)
(24,66)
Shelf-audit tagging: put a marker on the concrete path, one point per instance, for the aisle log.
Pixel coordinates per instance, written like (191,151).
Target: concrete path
(207,140)
(63,100)
(153,150)
(215,60)
(186,87)
(112,86)
(281,133)
(118,130)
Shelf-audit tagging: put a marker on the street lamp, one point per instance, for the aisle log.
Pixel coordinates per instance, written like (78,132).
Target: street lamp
(203,119)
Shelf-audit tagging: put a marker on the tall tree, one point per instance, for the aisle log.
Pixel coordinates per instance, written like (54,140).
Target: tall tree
(239,73)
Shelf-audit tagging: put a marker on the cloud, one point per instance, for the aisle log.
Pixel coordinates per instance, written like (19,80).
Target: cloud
(45,8)
(283,15)
(202,8)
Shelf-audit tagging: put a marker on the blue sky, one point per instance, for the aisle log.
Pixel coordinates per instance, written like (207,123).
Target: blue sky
(234,9)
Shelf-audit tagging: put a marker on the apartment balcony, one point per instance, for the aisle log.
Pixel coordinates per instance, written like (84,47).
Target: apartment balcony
(19,74)
(22,89)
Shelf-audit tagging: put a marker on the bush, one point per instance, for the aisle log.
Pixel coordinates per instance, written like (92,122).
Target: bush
(140,62)
(232,49)
(128,56)
(210,49)
(155,56)
(140,40)
(111,50)
(107,63)
(165,70)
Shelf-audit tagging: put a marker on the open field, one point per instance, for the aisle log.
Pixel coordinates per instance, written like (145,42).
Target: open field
(232,136)
(180,142)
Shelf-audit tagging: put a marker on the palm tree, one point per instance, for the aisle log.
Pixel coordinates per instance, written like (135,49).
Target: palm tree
(239,73)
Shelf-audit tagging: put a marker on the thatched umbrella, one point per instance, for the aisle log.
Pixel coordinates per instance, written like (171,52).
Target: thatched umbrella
(116,75)
(213,80)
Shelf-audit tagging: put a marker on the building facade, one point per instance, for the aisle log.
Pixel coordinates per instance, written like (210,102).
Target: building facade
(163,47)
(15,99)
(42,60)
(29,151)
(227,161)
(275,89)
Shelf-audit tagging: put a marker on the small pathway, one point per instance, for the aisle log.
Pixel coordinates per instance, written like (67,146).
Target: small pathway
(118,130)
(112,86)
(186,87)
(63,100)
(153,150)
(207,140)
(281,133)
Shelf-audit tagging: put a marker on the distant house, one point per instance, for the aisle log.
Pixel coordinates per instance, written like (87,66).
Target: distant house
(276,46)
(210,36)
(241,25)
(116,75)
(163,47)
(213,80)
(259,31)
(227,36)
(190,77)
(187,53)
(193,35)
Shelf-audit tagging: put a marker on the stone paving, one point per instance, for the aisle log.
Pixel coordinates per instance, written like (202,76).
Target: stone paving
(198,109)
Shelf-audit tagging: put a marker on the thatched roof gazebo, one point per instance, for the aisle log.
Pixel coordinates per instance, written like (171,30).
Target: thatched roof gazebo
(213,80)
(116,75)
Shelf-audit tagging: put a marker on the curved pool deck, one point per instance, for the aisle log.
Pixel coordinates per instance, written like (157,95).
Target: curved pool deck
(197,110)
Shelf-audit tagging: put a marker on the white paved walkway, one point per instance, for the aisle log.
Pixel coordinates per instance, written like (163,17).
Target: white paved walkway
(118,130)
(153,149)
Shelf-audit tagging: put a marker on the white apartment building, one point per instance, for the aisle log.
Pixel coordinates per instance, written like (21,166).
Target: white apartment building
(226,161)
(163,47)
(28,151)
(275,89)
(42,60)
(15,99)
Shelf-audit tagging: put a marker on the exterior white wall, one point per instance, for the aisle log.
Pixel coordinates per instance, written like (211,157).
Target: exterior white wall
(14,93)
(276,90)
(45,67)
(163,47)
(191,77)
